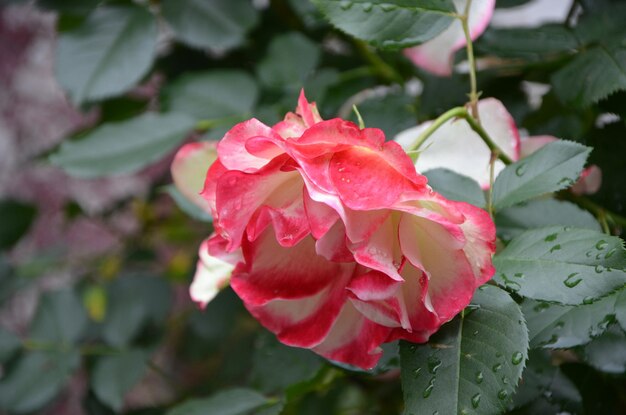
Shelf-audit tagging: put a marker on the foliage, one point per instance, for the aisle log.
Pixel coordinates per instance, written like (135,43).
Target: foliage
(546,335)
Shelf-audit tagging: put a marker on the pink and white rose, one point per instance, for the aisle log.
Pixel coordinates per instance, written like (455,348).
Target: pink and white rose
(337,243)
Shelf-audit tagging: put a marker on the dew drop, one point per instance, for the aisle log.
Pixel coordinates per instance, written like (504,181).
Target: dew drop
(479,377)
(517,358)
(559,325)
(475,333)
(498,354)
(588,254)
(599,269)
(436,413)
(476,400)
(503,394)
(555,248)
(345,5)
(464,412)
(433,364)
(505,380)
(588,300)
(367,7)
(519,275)
(496,367)
(429,388)
(416,372)
(521,169)
(572,280)
(551,237)
(601,244)
(610,253)
(541,307)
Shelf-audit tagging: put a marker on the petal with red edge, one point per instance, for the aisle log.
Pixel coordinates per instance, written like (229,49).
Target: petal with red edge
(232,150)
(353,339)
(430,247)
(437,54)
(239,195)
(272,272)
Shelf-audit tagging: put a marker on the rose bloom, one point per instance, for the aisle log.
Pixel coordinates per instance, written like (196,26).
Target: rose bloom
(334,240)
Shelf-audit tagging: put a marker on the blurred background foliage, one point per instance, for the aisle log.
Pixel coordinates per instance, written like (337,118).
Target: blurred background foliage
(98,249)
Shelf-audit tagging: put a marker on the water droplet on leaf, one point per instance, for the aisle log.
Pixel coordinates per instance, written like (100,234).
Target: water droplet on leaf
(503,394)
(476,400)
(479,377)
(521,169)
(433,364)
(517,358)
(551,237)
(572,280)
(601,244)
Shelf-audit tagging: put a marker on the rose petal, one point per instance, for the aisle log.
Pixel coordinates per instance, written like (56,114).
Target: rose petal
(437,54)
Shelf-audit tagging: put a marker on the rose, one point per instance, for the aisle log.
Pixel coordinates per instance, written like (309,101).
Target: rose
(338,243)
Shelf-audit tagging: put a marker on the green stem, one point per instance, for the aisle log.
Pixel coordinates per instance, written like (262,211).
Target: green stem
(455,112)
(473,95)
(485,137)
(380,66)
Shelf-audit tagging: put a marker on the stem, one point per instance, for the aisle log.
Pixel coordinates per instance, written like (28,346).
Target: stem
(453,113)
(358,116)
(483,134)
(473,95)
(380,66)
(461,112)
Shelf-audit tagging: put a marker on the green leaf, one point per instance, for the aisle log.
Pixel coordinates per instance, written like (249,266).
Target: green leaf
(290,59)
(551,168)
(16,220)
(606,353)
(9,344)
(592,75)
(133,302)
(562,264)
(60,318)
(530,44)
(472,364)
(514,220)
(213,95)
(107,54)
(557,326)
(455,186)
(186,205)
(228,402)
(113,376)
(277,367)
(123,147)
(391,24)
(36,379)
(217,25)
